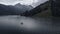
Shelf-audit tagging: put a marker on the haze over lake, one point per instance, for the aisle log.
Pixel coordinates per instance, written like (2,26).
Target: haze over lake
(13,22)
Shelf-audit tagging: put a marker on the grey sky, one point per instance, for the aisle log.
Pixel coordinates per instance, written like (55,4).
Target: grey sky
(27,2)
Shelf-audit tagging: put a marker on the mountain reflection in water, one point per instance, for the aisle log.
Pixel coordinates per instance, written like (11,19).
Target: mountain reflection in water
(28,25)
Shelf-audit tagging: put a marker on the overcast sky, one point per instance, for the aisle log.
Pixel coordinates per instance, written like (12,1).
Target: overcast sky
(24,2)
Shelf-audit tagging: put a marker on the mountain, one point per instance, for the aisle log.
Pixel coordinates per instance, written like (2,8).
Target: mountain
(13,10)
(7,10)
(23,7)
(45,10)
(55,7)
(41,10)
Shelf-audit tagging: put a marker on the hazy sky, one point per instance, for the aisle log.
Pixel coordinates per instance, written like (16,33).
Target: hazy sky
(24,2)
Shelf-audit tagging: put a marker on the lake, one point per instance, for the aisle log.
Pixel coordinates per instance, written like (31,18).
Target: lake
(15,24)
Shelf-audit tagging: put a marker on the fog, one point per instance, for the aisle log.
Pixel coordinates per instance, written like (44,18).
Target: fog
(33,3)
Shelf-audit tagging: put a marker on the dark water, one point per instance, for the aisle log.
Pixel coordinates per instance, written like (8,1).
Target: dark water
(28,25)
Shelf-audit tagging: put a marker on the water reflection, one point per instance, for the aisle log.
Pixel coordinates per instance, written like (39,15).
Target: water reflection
(21,24)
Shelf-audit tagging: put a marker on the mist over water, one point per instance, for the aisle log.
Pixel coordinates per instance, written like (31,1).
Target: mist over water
(21,23)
